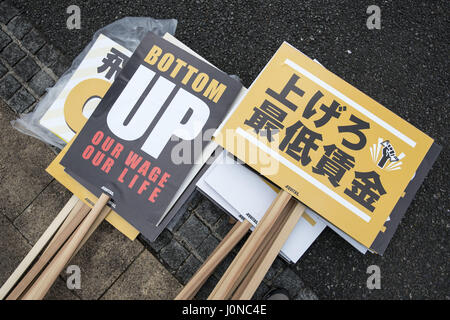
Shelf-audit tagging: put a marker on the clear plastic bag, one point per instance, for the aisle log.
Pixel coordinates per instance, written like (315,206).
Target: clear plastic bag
(127,32)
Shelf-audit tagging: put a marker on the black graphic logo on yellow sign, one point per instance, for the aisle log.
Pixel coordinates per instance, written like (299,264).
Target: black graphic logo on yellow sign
(384,155)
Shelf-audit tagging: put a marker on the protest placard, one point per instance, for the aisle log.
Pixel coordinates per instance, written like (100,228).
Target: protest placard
(76,102)
(326,143)
(125,148)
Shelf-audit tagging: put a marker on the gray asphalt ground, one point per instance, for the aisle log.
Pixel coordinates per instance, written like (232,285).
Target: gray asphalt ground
(404,66)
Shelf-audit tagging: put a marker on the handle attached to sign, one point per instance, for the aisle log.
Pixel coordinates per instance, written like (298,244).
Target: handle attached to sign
(248,269)
(220,252)
(270,251)
(225,287)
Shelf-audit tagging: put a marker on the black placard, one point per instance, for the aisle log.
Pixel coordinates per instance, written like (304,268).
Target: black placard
(126,147)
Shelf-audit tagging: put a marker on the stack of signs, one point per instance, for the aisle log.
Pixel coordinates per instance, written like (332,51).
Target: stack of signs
(76,102)
(330,146)
(163,97)
(252,197)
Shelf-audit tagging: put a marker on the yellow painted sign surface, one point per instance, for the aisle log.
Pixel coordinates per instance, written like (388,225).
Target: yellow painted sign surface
(331,146)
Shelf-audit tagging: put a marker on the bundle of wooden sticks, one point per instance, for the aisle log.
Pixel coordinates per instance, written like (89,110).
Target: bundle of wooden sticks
(76,222)
(248,269)
(67,233)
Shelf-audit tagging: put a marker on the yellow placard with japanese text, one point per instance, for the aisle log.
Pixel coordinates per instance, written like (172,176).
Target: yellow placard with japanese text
(325,142)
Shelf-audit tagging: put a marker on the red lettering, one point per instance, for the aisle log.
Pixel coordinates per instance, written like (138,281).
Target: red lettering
(144,168)
(133,181)
(154,174)
(98,136)
(163,179)
(122,174)
(143,186)
(107,165)
(98,158)
(107,144)
(133,160)
(87,153)
(117,150)
(154,194)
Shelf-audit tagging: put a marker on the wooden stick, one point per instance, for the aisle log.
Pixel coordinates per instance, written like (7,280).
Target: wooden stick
(266,242)
(51,272)
(256,275)
(224,288)
(103,214)
(69,223)
(79,211)
(216,257)
(220,252)
(66,222)
(105,211)
(262,250)
(38,246)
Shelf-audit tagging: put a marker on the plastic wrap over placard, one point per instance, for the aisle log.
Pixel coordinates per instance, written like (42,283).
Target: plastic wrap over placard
(126,33)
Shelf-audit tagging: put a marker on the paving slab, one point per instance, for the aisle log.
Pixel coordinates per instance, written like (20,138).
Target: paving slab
(174,254)
(22,167)
(19,26)
(40,82)
(21,100)
(26,68)
(33,41)
(59,291)
(208,212)
(207,288)
(145,279)
(289,280)
(207,247)
(40,213)
(222,226)
(193,232)
(188,269)
(163,239)
(261,291)
(3,69)
(8,85)
(12,54)
(103,258)
(13,248)
(7,12)
(4,40)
